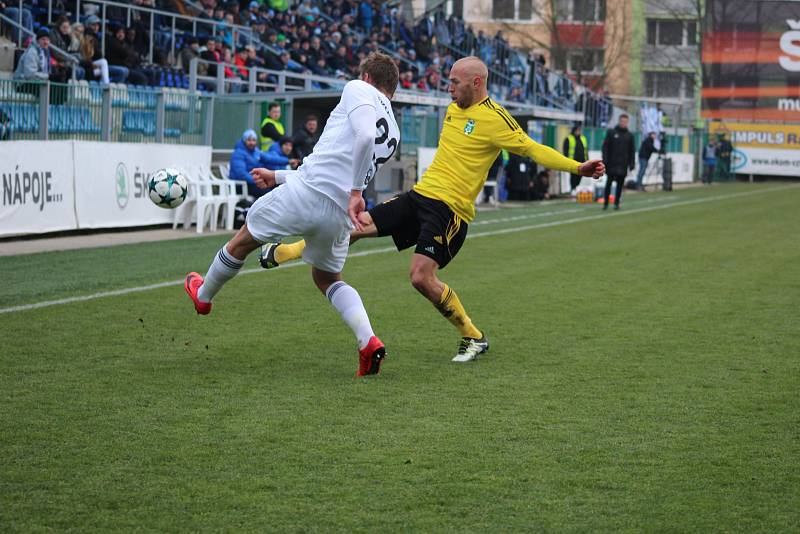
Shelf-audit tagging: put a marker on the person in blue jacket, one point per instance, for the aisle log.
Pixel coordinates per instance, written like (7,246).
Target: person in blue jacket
(246,157)
(279,152)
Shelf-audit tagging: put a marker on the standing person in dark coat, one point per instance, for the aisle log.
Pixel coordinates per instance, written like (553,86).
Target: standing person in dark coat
(709,161)
(645,151)
(619,157)
(520,172)
(723,154)
(575,147)
(305,138)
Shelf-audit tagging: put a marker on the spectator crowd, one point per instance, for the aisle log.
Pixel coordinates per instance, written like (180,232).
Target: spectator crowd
(322,38)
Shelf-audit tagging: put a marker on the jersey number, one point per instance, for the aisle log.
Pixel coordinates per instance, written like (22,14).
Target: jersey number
(383,126)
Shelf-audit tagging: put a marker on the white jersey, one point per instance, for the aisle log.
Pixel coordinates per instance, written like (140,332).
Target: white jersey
(329,168)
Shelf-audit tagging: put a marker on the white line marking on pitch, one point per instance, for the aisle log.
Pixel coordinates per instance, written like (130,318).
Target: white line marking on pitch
(607,216)
(537,215)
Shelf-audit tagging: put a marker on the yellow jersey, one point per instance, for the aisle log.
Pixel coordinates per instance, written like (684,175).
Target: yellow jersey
(469,143)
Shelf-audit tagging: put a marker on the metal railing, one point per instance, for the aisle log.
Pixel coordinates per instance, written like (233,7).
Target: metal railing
(175,23)
(259,80)
(32,109)
(516,73)
(8,23)
(499,82)
(432,9)
(541,87)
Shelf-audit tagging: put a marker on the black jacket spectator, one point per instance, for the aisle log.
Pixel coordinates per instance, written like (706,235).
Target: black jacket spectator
(272,61)
(213,55)
(190,51)
(520,172)
(338,61)
(119,52)
(320,67)
(541,185)
(305,138)
(423,48)
(647,148)
(60,40)
(619,153)
(619,156)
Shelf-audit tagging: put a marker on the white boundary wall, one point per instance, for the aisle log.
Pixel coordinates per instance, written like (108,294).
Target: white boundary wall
(682,168)
(48,186)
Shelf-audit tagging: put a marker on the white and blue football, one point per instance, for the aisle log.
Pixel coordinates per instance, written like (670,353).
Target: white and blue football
(167,188)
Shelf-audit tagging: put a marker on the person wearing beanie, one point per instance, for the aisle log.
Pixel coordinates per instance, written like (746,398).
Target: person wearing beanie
(280,155)
(246,157)
(34,64)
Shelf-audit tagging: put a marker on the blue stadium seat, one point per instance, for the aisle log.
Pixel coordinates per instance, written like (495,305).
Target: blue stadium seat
(61,119)
(86,122)
(24,117)
(139,121)
(119,95)
(95,92)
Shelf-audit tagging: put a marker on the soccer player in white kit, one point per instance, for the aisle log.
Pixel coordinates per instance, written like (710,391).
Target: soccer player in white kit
(321,201)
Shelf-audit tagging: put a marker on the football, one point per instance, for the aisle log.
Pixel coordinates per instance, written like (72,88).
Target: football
(167,188)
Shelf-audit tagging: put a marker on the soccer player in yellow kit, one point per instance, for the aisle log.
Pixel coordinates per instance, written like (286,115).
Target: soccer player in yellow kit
(433,216)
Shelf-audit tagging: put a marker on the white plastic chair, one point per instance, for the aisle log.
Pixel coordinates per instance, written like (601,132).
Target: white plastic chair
(224,170)
(201,203)
(240,186)
(227,191)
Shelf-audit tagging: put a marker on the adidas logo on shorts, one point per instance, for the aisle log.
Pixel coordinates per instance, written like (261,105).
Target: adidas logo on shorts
(430,250)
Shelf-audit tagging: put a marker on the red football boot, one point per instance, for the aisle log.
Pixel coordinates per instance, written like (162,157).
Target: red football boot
(370,357)
(191,285)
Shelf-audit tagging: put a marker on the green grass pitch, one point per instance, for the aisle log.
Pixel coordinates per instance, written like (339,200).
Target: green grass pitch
(644,375)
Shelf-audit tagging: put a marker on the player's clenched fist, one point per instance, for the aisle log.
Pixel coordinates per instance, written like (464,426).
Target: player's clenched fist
(263,178)
(356,208)
(593,168)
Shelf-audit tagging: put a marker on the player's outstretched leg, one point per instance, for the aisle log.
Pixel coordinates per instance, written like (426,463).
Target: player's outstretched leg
(225,266)
(272,255)
(423,278)
(347,302)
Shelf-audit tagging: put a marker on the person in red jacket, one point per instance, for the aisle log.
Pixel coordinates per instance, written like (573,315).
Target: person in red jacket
(241,64)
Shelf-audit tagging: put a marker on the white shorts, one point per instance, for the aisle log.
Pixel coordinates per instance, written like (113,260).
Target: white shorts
(296,209)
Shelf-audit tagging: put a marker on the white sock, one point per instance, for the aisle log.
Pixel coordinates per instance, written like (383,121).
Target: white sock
(223,268)
(348,303)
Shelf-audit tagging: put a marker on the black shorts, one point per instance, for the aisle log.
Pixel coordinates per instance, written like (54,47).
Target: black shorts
(413,219)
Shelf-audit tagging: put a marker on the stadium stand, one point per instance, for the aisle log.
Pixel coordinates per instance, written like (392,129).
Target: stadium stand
(326,39)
